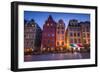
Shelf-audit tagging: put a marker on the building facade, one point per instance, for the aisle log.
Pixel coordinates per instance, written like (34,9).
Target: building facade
(60,35)
(32,36)
(78,33)
(85,28)
(49,35)
(74,32)
(54,37)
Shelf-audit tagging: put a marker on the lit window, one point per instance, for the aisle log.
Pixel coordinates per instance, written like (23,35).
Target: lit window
(33,25)
(52,35)
(47,24)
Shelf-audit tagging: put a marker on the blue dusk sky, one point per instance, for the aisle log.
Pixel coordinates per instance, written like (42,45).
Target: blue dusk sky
(41,17)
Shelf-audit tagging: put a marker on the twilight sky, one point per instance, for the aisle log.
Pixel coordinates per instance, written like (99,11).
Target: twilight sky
(40,17)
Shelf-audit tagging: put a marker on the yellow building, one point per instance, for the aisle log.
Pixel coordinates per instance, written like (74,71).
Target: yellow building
(60,35)
(78,33)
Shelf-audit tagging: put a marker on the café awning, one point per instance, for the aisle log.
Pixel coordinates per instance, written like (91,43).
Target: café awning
(76,45)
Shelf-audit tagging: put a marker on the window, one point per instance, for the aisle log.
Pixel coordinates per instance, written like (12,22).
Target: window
(88,35)
(84,35)
(48,41)
(84,41)
(58,38)
(52,35)
(45,34)
(62,27)
(89,40)
(33,25)
(27,36)
(62,43)
(58,27)
(52,41)
(30,30)
(62,37)
(71,34)
(71,40)
(79,40)
(57,43)
(31,42)
(62,32)
(78,34)
(47,24)
(75,40)
(58,32)
(24,36)
(27,30)
(74,34)
(48,35)
(84,30)
(87,29)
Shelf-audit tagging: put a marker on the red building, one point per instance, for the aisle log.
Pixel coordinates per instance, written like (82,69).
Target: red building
(49,35)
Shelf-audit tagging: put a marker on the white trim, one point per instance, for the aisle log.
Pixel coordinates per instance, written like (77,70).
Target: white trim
(22,64)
